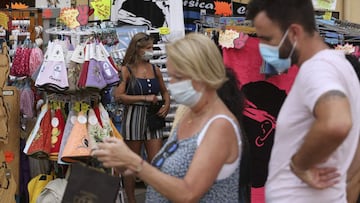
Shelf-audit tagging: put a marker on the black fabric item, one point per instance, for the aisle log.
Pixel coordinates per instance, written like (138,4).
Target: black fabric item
(154,121)
(259,123)
(86,184)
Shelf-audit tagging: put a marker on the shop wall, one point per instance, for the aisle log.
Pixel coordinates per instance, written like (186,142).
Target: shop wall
(351,10)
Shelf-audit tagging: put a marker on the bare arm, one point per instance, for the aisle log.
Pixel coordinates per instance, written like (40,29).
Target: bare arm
(164,94)
(332,125)
(204,168)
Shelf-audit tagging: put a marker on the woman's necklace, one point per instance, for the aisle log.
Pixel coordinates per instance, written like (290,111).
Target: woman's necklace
(144,72)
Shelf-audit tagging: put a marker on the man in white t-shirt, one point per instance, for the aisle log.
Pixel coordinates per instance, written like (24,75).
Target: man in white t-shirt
(318,127)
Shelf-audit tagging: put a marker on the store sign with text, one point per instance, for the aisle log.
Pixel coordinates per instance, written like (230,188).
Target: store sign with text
(239,9)
(193,9)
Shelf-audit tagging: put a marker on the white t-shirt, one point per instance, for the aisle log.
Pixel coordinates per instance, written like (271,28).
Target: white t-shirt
(327,70)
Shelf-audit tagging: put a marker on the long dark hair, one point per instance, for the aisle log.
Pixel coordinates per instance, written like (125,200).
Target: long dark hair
(138,41)
(233,98)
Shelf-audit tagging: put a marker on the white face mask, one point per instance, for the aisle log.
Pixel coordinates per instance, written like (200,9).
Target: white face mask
(148,55)
(184,93)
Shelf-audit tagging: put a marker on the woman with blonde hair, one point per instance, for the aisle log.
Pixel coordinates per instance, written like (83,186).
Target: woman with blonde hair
(200,161)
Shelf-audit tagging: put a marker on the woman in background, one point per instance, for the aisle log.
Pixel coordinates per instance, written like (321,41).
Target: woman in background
(141,83)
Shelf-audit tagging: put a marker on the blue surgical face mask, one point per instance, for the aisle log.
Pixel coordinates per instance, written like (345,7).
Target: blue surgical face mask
(270,54)
(184,93)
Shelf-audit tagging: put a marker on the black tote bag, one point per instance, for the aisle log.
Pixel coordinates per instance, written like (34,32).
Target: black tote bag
(87,184)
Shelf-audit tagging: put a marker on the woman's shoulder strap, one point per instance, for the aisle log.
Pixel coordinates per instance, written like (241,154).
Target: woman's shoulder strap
(154,69)
(233,123)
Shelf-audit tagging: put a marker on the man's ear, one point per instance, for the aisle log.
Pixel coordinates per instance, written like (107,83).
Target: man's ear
(296,32)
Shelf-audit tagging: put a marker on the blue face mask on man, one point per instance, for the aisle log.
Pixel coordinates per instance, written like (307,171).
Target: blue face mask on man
(270,54)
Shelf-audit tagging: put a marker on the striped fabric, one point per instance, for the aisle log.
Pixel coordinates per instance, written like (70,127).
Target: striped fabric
(134,126)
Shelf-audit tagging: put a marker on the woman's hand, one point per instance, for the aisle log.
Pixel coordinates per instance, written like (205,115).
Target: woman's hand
(114,153)
(151,98)
(164,110)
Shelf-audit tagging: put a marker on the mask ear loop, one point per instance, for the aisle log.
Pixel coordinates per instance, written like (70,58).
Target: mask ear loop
(283,38)
(293,49)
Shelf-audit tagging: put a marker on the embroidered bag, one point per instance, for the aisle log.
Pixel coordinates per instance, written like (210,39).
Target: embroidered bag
(77,147)
(108,70)
(95,79)
(53,73)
